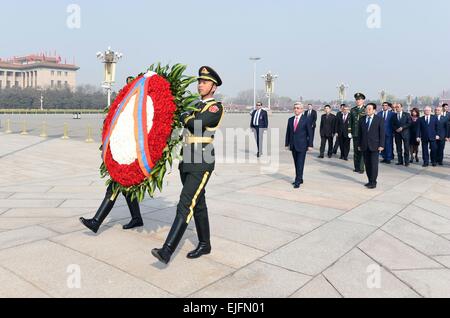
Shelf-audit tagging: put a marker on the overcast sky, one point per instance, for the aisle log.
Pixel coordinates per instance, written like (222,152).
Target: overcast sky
(311,45)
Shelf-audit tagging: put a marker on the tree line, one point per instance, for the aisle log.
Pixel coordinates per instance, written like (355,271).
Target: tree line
(92,97)
(83,97)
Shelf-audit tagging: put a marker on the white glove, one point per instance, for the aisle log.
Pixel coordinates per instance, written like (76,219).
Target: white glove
(350,136)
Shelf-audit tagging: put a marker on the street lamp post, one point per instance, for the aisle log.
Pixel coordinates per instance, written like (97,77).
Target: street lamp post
(269,79)
(109,58)
(255,60)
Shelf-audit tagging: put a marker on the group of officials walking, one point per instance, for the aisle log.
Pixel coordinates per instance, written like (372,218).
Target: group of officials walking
(373,133)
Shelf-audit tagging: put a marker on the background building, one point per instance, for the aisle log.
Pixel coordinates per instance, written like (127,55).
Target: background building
(37,71)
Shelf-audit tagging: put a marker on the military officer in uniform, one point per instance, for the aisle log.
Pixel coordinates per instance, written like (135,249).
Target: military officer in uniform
(196,168)
(356,114)
(108,204)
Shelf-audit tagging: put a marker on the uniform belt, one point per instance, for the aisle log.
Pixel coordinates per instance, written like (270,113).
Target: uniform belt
(199,140)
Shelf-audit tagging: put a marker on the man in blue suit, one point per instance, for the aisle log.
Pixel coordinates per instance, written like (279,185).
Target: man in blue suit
(299,141)
(259,124)
(442,132)
(427,133)
(387,115)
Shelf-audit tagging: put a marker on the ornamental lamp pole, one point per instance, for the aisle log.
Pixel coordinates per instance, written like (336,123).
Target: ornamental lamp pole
(383,96)
(269,80)
(41,98)
(409,102)
(342,93)
(109,58)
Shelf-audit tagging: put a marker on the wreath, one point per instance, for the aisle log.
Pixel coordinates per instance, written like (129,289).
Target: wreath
(138,148)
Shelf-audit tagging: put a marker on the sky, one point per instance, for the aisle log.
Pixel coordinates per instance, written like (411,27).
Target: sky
(402,47)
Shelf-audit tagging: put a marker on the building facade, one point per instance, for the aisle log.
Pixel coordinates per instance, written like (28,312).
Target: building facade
(37,71)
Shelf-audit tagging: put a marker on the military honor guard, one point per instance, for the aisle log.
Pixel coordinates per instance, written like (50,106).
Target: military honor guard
(356,114)
(196,168)
(109,202)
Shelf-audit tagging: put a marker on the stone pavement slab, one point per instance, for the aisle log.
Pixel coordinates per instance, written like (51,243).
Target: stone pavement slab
(257,280)
(373,213)
(433,283)
(419,238)
(319,287)
(15,287)
(269,240)
(314,252)
(430,221)
(24,235)
(353,277)
(394,254)
(132,254)
(50,267)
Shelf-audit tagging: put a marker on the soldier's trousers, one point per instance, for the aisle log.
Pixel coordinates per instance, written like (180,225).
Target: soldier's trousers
(358,156)
(193,201)
(133,205)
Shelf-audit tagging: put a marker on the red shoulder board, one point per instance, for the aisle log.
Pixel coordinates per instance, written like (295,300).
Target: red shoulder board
(214,109)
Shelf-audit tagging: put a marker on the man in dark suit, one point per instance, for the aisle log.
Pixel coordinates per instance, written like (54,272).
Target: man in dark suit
(371,142)
(401,123)
(259,124)
(299,141)
(445,110)
(338,117)
(342,125)
(311,114)
(387,115)
(442,132)
(427,133)
(327,132)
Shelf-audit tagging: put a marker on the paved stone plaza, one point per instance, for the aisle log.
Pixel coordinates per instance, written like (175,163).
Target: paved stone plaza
(269,240)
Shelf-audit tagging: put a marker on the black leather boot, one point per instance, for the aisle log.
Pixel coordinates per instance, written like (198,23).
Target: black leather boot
(204,246)
(102,213)
(136,218)
(176,233)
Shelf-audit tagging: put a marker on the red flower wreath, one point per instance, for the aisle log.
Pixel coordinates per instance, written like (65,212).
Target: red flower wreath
(164,109)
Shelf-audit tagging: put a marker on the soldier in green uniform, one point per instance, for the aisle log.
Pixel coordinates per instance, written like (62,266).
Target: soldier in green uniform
(196,168)
(356,114)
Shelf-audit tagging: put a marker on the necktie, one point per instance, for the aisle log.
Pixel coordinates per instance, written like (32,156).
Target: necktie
(368,123)
(296,123)
(385,115)
(428,120)
(399,116)
(256,122)
(345,117)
